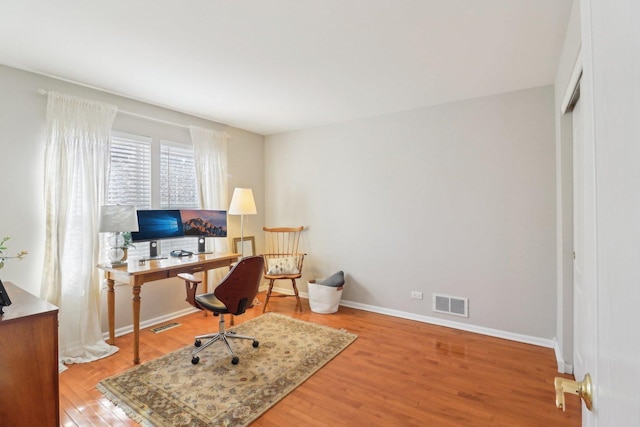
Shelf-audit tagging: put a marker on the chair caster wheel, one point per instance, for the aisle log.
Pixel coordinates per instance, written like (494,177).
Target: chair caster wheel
(198,343)
(256,344)
(195,360)
(235,360)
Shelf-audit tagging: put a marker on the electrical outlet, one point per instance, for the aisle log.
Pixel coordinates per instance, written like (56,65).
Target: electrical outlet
(416,295)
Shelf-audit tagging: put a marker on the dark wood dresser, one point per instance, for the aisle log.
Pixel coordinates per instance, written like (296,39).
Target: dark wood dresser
(28,361)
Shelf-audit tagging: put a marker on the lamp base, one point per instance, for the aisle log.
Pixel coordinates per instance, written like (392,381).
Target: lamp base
(118,256)
(117,264)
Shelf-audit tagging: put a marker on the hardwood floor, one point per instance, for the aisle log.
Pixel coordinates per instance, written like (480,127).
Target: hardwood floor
(397,373)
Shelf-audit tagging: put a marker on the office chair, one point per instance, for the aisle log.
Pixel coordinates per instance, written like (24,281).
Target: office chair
(282,259)
(233,295)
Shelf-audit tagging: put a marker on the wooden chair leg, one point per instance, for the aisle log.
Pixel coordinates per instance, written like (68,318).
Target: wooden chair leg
(295,290)
(266,301)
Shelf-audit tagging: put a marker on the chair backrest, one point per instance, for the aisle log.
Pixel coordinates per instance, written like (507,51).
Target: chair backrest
(240,286)
(282,242)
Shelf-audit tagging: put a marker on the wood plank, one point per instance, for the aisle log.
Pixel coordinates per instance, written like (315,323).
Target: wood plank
(397,373)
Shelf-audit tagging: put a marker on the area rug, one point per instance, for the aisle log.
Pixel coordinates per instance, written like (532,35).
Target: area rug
(171,391)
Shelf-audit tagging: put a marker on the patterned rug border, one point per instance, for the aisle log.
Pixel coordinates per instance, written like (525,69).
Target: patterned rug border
(137,414)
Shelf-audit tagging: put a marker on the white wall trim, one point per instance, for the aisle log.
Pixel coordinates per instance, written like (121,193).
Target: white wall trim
(148,323)
(563,367)
(526,339)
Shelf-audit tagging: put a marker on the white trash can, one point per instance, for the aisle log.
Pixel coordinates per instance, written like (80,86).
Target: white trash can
(324,299)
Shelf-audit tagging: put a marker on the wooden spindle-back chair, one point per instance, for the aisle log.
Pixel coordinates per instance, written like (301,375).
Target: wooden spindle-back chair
(283,260)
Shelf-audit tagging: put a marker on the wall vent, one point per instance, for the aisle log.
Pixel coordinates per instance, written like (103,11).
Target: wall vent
(451,305)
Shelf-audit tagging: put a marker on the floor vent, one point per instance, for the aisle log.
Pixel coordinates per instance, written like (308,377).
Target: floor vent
(451,305)
(165,327)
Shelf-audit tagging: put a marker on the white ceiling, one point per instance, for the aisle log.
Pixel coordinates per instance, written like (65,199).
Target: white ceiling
(271,66)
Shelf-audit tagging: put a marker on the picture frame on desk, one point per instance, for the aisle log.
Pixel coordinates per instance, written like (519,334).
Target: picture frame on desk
(249,243)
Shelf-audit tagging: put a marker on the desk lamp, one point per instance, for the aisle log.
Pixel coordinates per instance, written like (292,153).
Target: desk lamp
(242,204)
(117,219)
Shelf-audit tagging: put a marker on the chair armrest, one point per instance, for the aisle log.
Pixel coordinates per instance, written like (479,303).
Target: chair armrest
(191,286)
(191,294)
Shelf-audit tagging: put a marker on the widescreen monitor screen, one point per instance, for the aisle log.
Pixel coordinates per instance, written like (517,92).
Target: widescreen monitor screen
(158,224)
(207,223)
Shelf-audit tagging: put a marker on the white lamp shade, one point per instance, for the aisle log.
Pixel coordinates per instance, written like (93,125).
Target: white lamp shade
(116,218)
(242,202)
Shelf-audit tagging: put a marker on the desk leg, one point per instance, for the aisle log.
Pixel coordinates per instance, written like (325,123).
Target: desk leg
(111,311)
(205,288)
(136,324)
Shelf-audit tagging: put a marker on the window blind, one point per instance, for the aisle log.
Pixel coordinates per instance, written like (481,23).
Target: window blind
(178,187)
(130,172)
(177,177)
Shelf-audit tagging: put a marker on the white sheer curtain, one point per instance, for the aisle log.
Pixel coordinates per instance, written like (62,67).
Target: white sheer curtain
(210,155)
(76,165)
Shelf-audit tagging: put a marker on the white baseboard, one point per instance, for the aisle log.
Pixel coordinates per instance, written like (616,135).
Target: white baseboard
(165,318)
(527,339)
(563,367)
(151,322)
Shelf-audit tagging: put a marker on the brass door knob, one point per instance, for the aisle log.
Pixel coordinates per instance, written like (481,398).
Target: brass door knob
(582,389)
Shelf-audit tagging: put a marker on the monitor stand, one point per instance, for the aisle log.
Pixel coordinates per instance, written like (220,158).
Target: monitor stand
(202,247)
(153,248)
(153,251)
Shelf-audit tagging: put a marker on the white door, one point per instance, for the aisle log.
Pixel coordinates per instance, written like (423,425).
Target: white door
(607,291)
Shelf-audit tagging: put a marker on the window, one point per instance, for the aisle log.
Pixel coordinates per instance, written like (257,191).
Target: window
(177,177)
(152,176)
(130,171)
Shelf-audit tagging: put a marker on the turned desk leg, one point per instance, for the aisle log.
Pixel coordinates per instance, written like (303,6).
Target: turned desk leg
(111,311)
(136,324)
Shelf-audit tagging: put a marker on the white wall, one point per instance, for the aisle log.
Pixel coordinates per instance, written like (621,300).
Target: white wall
(456,199)
(22,144)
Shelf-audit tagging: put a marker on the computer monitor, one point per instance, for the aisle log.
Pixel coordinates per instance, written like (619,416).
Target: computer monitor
(157,224)
(204,223)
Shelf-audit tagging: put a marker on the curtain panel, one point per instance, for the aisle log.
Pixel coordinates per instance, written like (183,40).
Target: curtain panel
(210,154)
(76,170)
